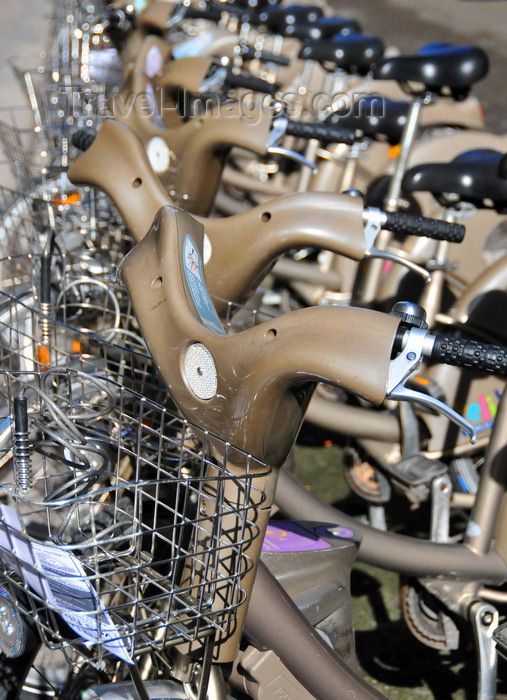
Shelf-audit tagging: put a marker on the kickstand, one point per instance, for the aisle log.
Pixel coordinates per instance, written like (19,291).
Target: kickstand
(484,619)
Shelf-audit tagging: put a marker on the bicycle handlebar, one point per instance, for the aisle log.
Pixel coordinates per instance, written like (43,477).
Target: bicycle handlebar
(414,225)
(249,53)
(83,139)
(326,133)
(250,82)
(210,12)
(471,354)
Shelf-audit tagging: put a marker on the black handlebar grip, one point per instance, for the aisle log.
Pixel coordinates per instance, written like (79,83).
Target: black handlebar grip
(251,82)
(210,12)
(325,133)
(249,53)
(83,139)
(414,225)
(470,354)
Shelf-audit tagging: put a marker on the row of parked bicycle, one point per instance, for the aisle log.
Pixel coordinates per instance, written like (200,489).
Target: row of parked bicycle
(228,218)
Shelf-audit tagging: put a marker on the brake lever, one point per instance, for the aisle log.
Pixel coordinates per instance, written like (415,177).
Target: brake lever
(215,81)
(399,260)
(293,155)
(278,130)
(407,362)
(373,220)
(176,16)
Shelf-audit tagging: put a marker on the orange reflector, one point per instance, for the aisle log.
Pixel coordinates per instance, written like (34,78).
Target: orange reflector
(328,443)
(43,355)
(422,380)
(394,151)
(76,347)
(69,199)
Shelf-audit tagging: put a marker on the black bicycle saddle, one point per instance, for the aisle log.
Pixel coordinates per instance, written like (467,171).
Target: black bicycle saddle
(438,67)
(355,53)
(377,117)
(472,177)
(275,18)
(502,167)
(323,28)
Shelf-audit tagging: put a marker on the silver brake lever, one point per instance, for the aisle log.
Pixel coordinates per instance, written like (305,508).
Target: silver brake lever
(278,129)
(402,366)
(214,82)
(373,220)
(293,155)
(399,260)
(177,15)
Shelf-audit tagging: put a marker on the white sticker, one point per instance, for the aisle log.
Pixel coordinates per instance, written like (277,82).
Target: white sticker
(57,576)
(207,249)
(153,62)
(159,154)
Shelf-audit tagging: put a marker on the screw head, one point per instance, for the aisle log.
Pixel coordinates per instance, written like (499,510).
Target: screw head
(487,619)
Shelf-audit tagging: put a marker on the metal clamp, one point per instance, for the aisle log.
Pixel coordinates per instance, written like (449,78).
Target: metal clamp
(484,620)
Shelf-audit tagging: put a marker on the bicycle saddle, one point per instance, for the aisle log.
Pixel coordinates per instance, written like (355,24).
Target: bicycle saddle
(254,385)
(438,67)
(472,176)
(502,168)
(275,18)
(323,28)
(354,53)
(375,116)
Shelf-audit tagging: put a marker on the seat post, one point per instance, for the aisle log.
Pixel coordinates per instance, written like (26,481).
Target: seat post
(372,276)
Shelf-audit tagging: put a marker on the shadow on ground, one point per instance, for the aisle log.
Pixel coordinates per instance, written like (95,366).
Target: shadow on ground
(389,656)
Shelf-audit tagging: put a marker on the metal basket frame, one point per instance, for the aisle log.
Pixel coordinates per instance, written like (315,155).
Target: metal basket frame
(88,326)
(158,520)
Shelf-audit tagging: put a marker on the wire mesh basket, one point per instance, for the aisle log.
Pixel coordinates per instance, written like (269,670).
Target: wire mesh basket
(40,154)
(60,103)
(122,527)
(81,50)
(43,201)
(85,323)
(71,83)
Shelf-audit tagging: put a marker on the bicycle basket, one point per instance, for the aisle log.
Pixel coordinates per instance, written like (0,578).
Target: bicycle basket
(86,323)
(122,527)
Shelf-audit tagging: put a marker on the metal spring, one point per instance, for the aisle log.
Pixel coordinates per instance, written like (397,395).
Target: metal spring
(21,447)
(22,462)
(45,323)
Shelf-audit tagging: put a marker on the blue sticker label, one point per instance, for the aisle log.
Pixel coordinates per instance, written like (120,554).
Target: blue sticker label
(194,273)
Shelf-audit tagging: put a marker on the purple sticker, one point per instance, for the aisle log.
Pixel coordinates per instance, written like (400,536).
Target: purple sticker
(290,537)
(335,531)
